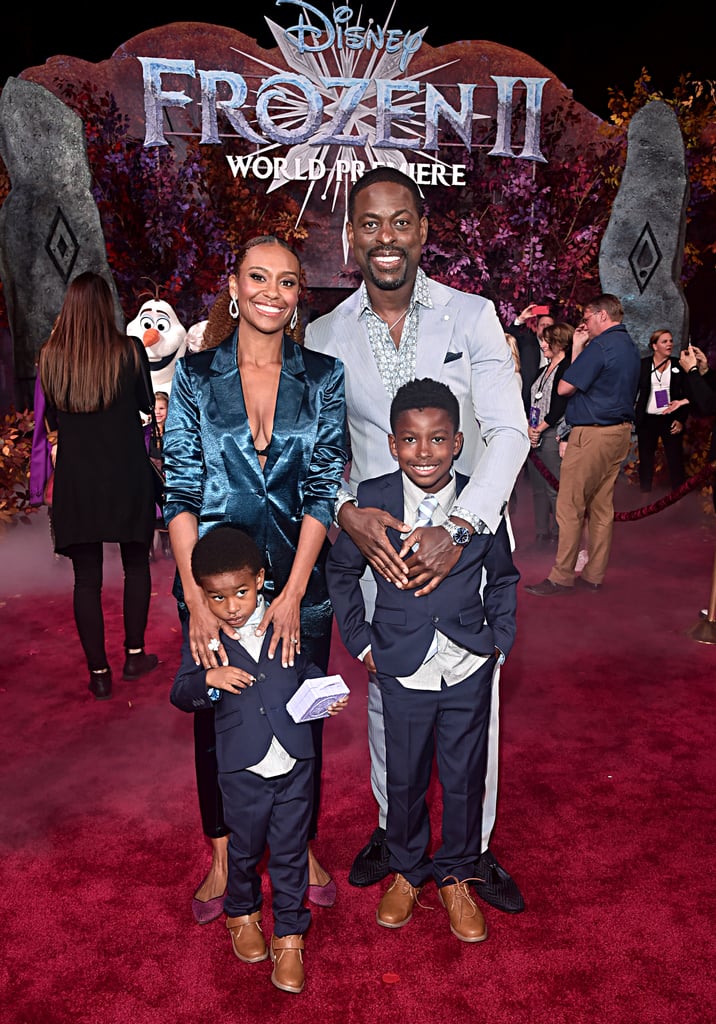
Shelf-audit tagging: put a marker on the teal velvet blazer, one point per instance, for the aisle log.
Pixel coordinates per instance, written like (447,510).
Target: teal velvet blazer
(213,471)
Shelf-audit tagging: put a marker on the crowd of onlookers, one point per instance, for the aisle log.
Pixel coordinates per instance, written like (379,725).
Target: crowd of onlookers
(670,390)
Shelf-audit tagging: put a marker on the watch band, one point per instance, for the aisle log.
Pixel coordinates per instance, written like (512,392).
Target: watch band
(460,535)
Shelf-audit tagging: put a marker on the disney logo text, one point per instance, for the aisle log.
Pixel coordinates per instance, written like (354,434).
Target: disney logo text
(310,38)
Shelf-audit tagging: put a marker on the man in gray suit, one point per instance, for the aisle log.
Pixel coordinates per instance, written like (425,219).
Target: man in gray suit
(400,325)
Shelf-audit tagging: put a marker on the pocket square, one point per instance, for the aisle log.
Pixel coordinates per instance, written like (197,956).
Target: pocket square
(450,357)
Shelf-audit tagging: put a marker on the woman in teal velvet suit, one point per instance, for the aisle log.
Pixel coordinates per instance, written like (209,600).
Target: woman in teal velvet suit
(256,436)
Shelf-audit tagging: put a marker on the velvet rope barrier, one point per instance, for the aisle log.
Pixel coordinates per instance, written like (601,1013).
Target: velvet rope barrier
(646,510)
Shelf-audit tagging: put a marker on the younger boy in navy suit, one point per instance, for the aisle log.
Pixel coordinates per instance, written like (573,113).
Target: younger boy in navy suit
(266,760)
(434,656)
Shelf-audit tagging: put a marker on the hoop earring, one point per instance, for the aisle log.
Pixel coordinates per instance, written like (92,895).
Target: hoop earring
(234,309)
(294,319)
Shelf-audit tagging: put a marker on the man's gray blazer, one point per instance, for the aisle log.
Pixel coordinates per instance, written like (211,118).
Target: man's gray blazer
(462,344)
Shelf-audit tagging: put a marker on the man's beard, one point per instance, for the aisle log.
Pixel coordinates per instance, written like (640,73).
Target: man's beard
(382,283)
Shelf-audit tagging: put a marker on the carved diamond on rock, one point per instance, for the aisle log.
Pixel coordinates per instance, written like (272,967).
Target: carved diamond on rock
(62,246)
(645,257)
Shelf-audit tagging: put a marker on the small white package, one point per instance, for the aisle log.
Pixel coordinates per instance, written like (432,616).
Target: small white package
(314,696)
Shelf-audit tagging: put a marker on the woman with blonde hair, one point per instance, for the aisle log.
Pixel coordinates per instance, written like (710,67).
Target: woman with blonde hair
(95,382)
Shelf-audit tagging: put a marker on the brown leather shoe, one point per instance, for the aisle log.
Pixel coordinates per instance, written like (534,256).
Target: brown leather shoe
(549,589)
(247,938)
(582,584)
(466,920)
(396,907)
(287,957)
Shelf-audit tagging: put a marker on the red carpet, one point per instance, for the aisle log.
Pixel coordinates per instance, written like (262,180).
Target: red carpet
(605,818)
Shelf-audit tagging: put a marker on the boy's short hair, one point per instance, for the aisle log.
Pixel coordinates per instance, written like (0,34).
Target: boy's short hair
(224,548)
(425,394)
(161,394)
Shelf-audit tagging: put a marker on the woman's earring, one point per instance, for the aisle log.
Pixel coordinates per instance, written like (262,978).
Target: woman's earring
(234,309)
(294,319)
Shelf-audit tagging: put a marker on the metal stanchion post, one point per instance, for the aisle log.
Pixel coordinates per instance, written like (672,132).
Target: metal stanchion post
(705,629)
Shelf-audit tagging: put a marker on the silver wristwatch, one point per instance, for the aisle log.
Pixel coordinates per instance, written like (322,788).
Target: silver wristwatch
(460,534)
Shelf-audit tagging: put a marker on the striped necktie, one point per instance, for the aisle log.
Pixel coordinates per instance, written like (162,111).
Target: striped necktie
(425,511)
(425,518)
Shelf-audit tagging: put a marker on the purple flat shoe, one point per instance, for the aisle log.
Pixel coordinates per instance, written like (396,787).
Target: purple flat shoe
(322,895)
(205,911)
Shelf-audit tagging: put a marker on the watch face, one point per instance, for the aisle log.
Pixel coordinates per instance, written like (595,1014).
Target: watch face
(461,536)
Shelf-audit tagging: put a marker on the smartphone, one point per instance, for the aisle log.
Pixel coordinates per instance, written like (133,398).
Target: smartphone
(540,311)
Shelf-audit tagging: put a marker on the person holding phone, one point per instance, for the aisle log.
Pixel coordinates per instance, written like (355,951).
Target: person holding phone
(528,330)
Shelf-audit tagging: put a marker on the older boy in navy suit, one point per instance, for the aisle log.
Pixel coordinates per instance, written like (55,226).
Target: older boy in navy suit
(433,656)
(266,760)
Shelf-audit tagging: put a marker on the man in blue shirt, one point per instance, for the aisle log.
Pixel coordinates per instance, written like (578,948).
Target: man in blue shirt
(602,384)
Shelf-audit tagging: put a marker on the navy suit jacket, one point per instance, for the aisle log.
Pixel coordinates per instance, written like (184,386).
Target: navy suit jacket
(245,723)
(403,625)
(530,357)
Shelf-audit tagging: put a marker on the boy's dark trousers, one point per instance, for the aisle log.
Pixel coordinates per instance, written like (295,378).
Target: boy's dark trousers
(452,721)
(274,812)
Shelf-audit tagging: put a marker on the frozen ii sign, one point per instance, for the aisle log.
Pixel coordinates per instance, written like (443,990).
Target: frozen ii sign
(344,101)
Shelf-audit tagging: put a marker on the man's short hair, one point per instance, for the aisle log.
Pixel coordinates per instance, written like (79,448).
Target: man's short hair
(425,394)
(378,174)
(610,304)
(224,548)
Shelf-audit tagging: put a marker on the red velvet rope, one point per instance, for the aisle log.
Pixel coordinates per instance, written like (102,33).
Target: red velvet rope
(646,510)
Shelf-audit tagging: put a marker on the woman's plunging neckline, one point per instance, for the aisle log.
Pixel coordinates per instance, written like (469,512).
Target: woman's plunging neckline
(261,453)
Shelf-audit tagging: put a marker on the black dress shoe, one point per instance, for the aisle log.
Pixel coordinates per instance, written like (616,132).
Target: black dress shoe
(495,886)
(371,865)
(100,684)
(139,664)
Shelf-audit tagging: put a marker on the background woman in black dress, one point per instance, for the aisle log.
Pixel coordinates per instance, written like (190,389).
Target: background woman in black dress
(95,381)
